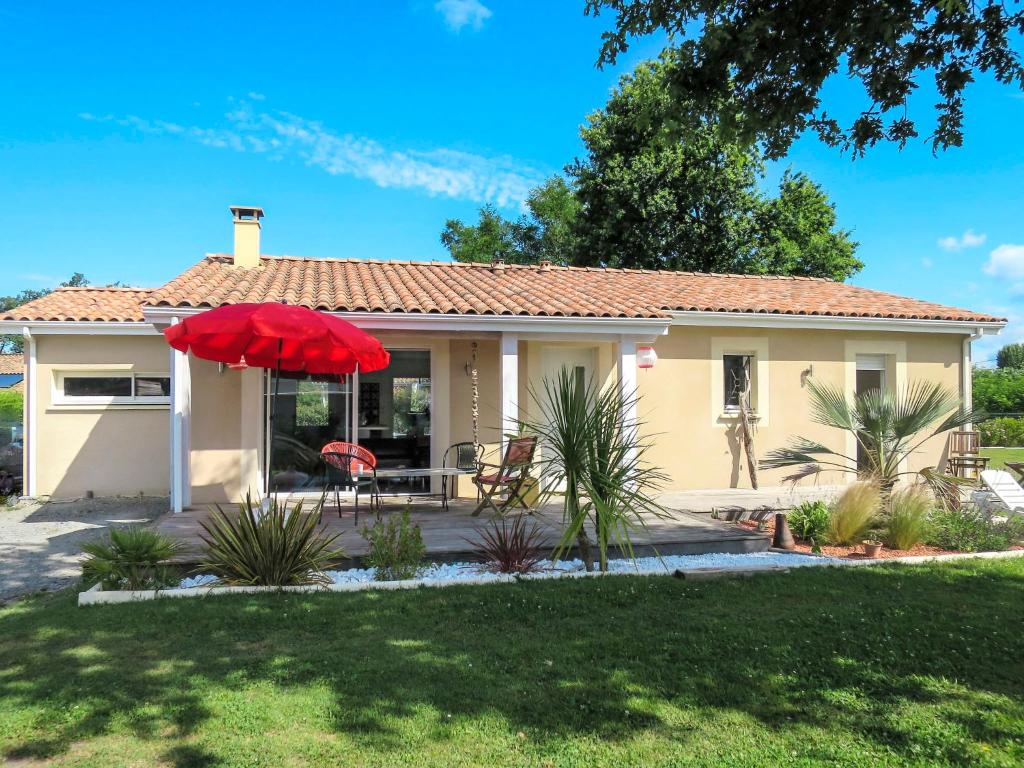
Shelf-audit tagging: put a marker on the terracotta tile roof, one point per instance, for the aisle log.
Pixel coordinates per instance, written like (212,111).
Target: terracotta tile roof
(423,287)
(88,304)
(479,289)
(14,363)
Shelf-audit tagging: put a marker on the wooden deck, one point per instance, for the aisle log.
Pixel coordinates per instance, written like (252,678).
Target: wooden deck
(449,534)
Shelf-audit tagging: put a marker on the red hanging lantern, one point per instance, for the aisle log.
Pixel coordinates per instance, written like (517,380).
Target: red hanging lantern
(646,357)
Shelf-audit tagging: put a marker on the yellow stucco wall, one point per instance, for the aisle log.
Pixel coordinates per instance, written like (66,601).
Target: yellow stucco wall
(118,450)
(698,448)
(104,449)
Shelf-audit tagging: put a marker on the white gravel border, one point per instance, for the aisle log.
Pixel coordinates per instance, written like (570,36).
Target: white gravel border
(96,596)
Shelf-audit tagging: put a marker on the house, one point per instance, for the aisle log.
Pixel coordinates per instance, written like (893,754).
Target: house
(112,410)
(12,372)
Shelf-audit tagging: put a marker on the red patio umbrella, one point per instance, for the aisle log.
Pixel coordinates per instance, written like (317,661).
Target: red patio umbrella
(281,337)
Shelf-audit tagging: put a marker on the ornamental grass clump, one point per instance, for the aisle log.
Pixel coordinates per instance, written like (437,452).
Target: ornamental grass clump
(511,547)
(131,558)
(280,546)
(907,521)
(853,514)
(396,548)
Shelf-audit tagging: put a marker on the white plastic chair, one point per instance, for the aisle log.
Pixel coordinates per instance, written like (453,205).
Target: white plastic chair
(1005,489)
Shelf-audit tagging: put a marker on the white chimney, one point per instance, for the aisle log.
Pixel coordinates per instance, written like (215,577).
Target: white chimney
(247,235)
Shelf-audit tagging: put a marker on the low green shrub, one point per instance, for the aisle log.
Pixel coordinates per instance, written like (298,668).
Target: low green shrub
(1005,431)
(131,558)
(809,520)
(907,522)
(276,547)
(853,514)
(968,530)
(11,406)
(396,548)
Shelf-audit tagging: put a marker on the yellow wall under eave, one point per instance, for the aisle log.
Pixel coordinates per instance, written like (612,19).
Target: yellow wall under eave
(119,450)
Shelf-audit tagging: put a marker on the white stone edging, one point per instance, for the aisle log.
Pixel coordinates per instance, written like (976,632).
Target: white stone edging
(96,596)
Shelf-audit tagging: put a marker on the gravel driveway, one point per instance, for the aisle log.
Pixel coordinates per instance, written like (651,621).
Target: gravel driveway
(40,541)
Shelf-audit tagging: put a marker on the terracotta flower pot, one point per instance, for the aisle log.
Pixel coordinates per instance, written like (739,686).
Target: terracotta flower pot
(872,548)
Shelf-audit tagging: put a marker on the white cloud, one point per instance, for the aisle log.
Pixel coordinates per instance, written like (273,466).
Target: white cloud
(969,239)
(927,263)
(1006,262)
(255,96)
(460,13)
(279,135)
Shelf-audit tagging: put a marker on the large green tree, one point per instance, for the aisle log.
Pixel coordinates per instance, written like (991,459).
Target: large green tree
(13,344)
(659,193)
(547,231)
(652,193)
(1011,356)
(772,59)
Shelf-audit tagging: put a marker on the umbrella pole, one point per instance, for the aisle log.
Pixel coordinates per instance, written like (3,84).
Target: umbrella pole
(273,415)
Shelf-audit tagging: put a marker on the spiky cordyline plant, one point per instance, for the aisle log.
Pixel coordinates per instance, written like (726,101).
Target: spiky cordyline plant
(888,428)
(591,447)
(510,547)
(276,547)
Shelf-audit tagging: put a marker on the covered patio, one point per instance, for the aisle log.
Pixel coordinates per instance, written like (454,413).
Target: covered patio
(449,535)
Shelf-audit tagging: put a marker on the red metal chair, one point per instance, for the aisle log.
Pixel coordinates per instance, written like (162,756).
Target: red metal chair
(351,463)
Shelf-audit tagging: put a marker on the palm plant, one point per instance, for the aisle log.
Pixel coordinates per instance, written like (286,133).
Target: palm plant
(592,449)
(276,547)
(131,558)
(888,427)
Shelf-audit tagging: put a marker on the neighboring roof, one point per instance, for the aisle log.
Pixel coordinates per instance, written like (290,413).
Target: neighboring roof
(411,287)
(13,363)
(359,285)
(85,304)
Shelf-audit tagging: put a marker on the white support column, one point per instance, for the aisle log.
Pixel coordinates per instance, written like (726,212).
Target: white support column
(627,380)
(509,385)
(181,409)
(29,442)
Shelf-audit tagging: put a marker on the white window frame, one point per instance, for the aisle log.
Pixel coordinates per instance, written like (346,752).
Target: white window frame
(754,347)
(61,399)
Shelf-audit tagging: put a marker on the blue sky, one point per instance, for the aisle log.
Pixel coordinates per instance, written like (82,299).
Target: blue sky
(130,127)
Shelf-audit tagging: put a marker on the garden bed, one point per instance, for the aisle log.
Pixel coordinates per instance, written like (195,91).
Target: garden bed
(444,575)
(856,552)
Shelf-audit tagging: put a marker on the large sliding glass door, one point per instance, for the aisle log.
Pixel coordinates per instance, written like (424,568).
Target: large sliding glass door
(386,411)
(309,412)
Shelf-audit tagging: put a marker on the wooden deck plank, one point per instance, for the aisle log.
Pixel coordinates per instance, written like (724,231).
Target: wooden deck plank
(449,534)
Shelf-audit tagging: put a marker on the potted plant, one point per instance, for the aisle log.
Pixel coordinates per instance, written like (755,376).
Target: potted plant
(871,547)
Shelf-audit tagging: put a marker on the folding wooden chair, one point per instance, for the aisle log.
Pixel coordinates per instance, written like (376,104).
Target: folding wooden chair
(507,478)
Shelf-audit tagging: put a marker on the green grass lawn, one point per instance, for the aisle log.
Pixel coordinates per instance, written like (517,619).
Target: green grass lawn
(1000,456)
(883,666)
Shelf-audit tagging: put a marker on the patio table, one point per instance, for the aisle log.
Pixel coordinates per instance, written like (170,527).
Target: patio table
(415,472)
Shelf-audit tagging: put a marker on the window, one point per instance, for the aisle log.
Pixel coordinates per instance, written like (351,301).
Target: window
(112,388)
(736,378)
(10,379)
(411,406)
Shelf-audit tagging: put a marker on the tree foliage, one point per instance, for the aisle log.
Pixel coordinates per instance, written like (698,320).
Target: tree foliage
(1011,356)
(547,232)
(654,193)
(771,60)
(659,193)
(13,344)
(998,390)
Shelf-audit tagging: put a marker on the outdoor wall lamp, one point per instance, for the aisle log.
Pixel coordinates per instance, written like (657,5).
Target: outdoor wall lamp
(646,357)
